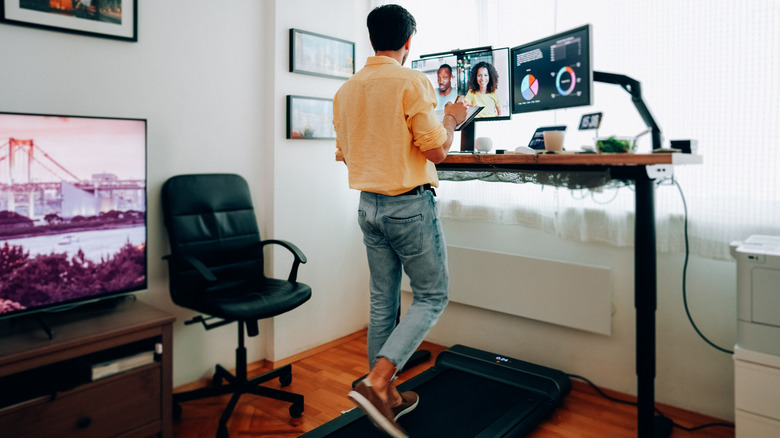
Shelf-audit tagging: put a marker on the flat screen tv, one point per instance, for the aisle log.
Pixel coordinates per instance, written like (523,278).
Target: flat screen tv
(72,210)
(552,73)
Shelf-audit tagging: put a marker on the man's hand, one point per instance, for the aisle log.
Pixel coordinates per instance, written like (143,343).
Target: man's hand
(454,115)
(456,109)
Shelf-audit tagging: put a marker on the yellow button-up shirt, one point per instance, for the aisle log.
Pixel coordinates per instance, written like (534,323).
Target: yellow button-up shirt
(384,120)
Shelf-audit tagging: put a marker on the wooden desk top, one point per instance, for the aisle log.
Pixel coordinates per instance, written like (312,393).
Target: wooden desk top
(574,159)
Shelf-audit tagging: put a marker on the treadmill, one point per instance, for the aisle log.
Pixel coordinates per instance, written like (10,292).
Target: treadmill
(468,393)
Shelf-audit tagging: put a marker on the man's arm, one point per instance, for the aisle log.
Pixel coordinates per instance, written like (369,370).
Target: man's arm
(454,113)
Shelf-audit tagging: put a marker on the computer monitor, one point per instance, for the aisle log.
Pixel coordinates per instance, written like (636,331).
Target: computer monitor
(480,75)
(552,73)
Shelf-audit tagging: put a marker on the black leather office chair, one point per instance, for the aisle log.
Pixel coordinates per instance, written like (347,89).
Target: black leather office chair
(216,268)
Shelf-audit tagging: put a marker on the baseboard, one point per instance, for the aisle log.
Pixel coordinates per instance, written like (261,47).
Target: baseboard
(315,350)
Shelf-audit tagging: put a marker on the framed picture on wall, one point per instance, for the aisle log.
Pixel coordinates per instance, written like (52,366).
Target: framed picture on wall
(117,19)
(310,118)
(321,55)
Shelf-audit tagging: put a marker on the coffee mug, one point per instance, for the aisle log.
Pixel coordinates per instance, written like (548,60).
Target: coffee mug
(553,141)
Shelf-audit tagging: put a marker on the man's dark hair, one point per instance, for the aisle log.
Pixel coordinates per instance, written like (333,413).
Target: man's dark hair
(389,27)
(446,67)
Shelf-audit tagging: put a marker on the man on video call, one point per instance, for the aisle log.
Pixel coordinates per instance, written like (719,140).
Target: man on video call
(446,93)
(388,135)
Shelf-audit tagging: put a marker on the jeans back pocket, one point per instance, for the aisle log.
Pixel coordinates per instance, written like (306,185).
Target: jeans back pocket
(405,234)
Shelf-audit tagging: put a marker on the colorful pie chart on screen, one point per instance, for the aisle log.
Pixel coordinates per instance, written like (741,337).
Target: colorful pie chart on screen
(566,78)
(529,87)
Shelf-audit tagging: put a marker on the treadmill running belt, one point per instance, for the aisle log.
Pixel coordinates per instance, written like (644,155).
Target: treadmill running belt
(468,394)
(455,404)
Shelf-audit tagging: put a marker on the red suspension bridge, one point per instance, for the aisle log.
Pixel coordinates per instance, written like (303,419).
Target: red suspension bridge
(34,184)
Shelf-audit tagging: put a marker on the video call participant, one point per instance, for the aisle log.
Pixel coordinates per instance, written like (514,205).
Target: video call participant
(388,136)
(483,82)
(446,93)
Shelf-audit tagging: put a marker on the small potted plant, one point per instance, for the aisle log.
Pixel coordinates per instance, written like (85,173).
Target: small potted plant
(616,145)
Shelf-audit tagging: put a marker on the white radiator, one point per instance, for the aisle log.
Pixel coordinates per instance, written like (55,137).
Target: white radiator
(566,294)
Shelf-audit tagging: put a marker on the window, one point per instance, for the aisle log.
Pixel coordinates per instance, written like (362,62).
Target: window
(708,72)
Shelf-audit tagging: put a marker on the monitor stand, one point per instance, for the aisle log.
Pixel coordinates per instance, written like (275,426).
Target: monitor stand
(467,138)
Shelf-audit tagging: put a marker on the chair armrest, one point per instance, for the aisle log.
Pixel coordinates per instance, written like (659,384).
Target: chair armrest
(298,255)
(204,271)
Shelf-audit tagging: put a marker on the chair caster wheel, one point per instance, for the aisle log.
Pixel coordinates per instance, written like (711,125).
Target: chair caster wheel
(296,410)
(285,379)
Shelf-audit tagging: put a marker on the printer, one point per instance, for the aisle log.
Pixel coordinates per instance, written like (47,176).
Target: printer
(758,293)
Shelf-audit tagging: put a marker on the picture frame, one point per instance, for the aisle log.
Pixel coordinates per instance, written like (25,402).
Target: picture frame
(321,55)
(115,19)
(310,118)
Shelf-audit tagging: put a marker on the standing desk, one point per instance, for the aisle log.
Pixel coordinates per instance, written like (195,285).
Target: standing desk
(641,169)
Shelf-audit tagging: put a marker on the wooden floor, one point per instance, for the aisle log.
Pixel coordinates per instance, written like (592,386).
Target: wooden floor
(325,377)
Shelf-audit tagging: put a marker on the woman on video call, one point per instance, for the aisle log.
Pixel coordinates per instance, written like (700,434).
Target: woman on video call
(483,82)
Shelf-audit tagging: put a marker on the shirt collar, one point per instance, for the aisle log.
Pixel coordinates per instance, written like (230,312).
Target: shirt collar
(378,60)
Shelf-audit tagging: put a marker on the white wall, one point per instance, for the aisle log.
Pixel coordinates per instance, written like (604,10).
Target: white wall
(313,205)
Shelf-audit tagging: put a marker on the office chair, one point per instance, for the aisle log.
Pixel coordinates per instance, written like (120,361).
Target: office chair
(216,268)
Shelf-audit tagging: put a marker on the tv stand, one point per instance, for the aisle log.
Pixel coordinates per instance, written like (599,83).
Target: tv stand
(48,391)
(45,326)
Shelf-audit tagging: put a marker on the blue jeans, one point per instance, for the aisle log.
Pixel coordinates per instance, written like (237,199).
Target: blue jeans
(402,232)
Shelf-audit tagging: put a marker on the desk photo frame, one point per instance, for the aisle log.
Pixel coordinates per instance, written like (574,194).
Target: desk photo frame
(119,22)
(320,55)
(310,118)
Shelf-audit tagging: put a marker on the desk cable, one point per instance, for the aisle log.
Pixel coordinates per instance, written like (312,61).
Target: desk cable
(685,274)
(633,403)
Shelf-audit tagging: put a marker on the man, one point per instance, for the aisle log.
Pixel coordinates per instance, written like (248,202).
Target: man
(389,137)
(446,93)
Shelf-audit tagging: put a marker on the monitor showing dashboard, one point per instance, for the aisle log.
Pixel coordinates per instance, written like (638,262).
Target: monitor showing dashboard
(482,76)
(552,73)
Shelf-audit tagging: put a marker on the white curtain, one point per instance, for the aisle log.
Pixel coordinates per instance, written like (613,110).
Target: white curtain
(709,70)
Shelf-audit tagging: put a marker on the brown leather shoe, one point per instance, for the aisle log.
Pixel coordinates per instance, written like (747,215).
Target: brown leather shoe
(377,410)
(409,401)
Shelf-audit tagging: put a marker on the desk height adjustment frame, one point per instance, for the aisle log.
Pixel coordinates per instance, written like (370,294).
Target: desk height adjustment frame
(645,274)
(646,303)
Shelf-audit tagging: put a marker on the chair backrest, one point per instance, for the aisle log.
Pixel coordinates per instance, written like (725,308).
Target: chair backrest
(211,217)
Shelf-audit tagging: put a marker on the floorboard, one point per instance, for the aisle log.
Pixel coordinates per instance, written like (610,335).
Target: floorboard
(325,377)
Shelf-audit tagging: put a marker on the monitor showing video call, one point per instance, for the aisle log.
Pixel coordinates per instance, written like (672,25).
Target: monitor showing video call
(482,77)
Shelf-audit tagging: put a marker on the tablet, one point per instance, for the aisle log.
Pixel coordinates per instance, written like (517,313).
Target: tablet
(471,112)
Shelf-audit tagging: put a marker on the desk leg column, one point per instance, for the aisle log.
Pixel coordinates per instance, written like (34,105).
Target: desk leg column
(645,301)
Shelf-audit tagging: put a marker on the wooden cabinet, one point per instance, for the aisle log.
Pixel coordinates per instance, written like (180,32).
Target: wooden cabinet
(133,403)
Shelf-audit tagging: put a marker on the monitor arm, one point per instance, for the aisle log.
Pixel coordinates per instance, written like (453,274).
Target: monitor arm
(633,87)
